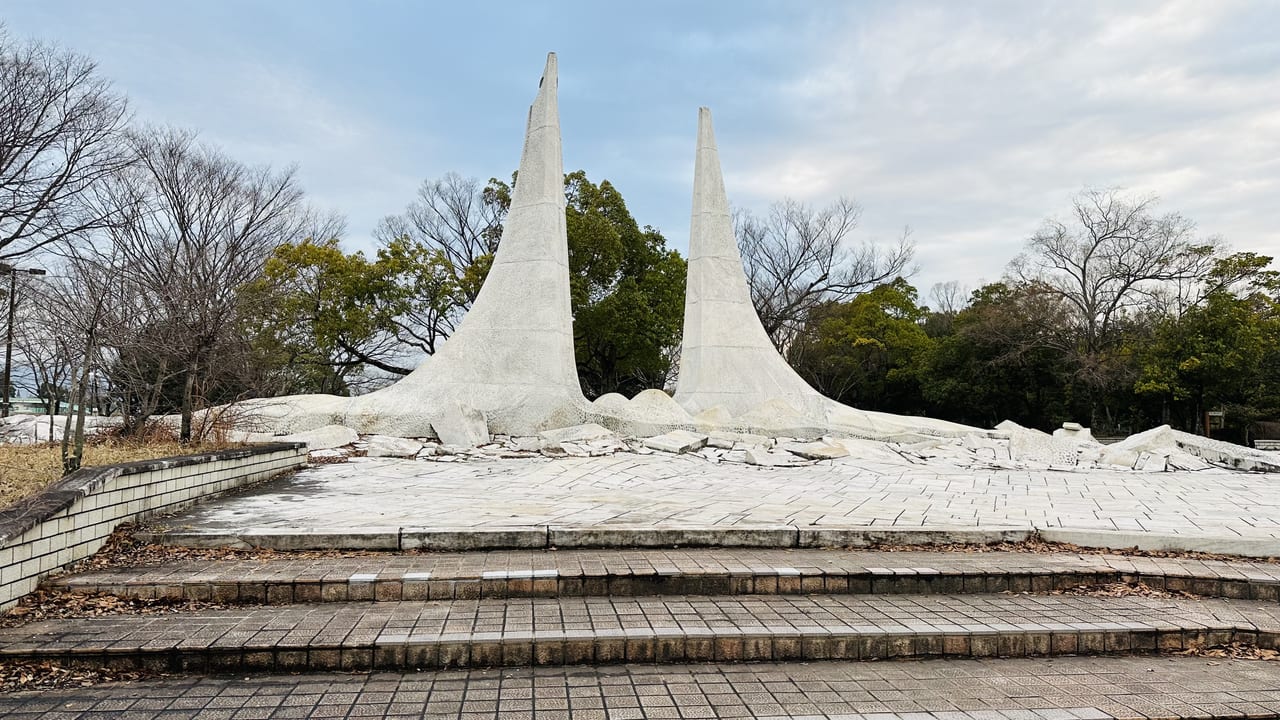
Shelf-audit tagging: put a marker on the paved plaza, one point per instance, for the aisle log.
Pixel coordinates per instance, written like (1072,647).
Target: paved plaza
(663,490)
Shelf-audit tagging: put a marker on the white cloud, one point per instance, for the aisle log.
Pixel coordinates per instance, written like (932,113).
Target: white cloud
(972,126)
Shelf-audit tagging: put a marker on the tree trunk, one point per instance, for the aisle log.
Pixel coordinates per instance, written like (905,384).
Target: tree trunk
(147,408)
(73,441)
(188,401)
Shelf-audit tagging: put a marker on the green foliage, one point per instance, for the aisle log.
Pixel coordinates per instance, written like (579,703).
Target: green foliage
(1220,353)
(989,367)
(869,351)
(321,316)
(1220,349)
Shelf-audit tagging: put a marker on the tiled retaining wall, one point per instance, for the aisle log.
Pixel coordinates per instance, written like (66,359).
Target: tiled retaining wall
(70,519)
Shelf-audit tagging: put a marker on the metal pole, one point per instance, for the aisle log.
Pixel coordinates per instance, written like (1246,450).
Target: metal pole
(8,342)
(5,401)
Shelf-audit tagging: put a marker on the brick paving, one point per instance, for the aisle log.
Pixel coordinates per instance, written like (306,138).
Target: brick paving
(544,631)
(1061,689)
(388,577)
(671,491)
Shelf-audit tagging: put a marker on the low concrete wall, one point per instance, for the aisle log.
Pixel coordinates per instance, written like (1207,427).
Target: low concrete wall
(72,518)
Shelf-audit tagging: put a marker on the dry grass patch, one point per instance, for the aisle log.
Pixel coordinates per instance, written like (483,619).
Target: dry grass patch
(27,469)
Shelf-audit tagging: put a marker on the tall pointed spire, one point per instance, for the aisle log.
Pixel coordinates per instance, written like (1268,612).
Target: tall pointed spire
(727,358)
(512,356)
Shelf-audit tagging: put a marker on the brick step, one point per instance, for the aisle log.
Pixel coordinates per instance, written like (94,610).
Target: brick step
(1080,688)
(589,573)
(670,629)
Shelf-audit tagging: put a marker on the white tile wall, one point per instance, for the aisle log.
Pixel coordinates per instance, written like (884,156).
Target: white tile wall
(77,532)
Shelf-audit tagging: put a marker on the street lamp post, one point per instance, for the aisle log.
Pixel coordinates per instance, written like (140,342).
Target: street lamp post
(5,400)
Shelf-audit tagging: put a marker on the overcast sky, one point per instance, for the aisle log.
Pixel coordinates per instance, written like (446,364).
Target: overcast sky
(969,122)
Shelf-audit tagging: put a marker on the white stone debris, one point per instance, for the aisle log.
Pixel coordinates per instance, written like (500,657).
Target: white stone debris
(817,450)
(1040,448)
(26,429)
(677,441)
(461,425)
(328,455)
(1166,440)
(737,439)
(323,438)
(773,458)
(1074,431)
(388,446)
(586,432)
(1147,452)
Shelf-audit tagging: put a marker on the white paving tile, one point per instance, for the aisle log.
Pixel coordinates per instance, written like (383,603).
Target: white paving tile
(630,489)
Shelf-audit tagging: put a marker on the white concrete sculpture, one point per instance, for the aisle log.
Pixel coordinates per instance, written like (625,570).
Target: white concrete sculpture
(727,361)
(727,358)
(512,356)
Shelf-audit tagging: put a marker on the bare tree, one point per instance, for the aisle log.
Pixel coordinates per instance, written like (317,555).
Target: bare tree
(39,339)
(437,252)
(455,216)
(90,293)
(1113,258)
(195,227)
(1112,261)
(948,297)
(60,128)
(798,257)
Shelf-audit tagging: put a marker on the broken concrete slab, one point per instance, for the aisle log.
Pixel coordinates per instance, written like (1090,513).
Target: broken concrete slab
(1074,431)
(677,441)
(529,444)
(389,446)
(461,425)
(329,455)
(1239,457)
(739,438)
(773,458)
(586,432)
(323,438)
(817,450)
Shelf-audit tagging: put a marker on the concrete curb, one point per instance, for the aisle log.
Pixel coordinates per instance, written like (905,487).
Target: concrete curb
(530,537)
(1115,539)
(526,537)
(609,536)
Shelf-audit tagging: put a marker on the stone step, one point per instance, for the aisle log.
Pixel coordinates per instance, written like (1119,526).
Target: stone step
(548,537)
(1068,688)
(202,532)
(669,629)
(724,571)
